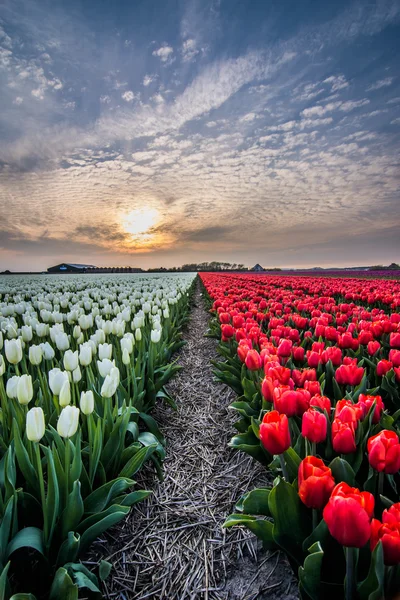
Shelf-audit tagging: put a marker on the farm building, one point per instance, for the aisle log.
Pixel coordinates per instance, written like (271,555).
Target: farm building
(70,268)
(257,267)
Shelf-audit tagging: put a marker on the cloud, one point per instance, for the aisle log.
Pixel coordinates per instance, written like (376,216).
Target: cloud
(148,79)
(189,50)
(164,53)
(338,82)
(380,84)
(128,96)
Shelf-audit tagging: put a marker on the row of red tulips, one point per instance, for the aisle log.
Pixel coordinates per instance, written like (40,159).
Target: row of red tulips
(316,365)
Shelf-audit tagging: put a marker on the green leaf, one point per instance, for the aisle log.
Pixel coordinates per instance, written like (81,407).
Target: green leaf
(135,463)
(103,496)
(69,549)
(73,511)
(148,439)
(320,534)
(292,460)
(29,537)
(152,426)
(104,570)
(372,588)
(132,498)
(261,528)
(310,572)
(96,530)
(63,586)
(23,597)
(5,526)
(342,471)
(4,582)
(255,502)
(291,519)
(24,462)
(53,492)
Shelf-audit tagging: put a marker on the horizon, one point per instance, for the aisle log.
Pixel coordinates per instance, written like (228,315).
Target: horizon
(160,133)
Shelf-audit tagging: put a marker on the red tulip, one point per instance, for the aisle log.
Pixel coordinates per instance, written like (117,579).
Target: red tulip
(298,354)
(285,348)
(267,389)
(224,317)
(394,357)
(373,347)
(392,514)
(397,374)
(334,354)
(227,332)
(389,535)
(253,360)
(314,426)
(349,374)
(343,437)
(347,412)
(348,514)
(313,359)
(383,367)
(315,482)
(313,387)
(384,452)
(274,432)
(368,401)
(300,377)
(321,402)
(291,402)
(394,340)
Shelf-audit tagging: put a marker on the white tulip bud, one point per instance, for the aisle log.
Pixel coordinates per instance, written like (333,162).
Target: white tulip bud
(68,421)
(87,402)
(109,387)
(71,360)
(11,387)
(35,425)
(76,374)
(76,332)
(105,351)
(138,335)
(114,373)
(126,344)
(62,341)
(35,355)
(42,329)
(155,336)
(13,350)
(2,366)
(1,340)
(65,394)
(48,351)
(85,355)
(24,389)
(105,366)
(26,333)
(166,313)
(57,378)
(126,358)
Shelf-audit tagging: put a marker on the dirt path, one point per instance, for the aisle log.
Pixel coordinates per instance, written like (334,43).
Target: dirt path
(173,546)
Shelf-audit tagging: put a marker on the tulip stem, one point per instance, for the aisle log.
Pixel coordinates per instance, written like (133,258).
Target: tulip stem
(381,480)
(315,518)
(67,468)
(283,467)
(313,448)
(351,554)
(42,492)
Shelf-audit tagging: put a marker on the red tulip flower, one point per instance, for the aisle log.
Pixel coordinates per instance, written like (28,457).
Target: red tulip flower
(314,426)
(333,354)
(321,402)
(373,347)
(298,354)
(394,340)
(349,374)
(392,514)
(383,367)
(274,432)
(394,357)
(343,437)
(315,482)
(348,515)
(267,389)
(389,535)
(253,360)
(285,348)
(368,401)
(384,452)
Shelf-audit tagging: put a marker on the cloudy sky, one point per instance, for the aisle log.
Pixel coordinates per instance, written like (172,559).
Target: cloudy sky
(157,132)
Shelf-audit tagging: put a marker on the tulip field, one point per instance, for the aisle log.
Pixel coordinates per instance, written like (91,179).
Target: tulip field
(315,364)
(82,363)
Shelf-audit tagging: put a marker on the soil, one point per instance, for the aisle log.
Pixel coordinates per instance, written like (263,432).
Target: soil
(172,545)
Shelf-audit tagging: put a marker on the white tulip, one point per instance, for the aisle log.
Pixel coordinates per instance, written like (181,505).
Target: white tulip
(62,341)
(87,402)
(2,366)
(35,355)
(126,344)
(138,335)
(24,389)
(57,378)
(76,374)
(85,355)
(105,366)
(35,424)
(68,421)
(11,387)
(13,350)
(48,351)
(126,358)
(65,394)
(71,360)
(105,351)
(155,336)
(109,387)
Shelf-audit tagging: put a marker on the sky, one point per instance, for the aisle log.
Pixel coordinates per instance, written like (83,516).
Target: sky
(158,132)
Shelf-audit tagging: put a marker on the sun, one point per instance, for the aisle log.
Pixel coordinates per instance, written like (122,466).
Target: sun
(140,220)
